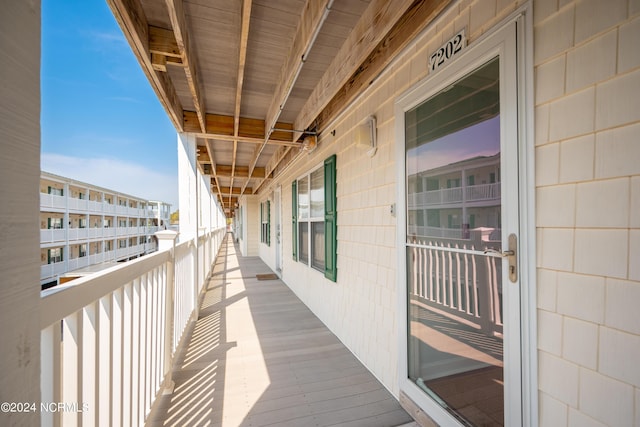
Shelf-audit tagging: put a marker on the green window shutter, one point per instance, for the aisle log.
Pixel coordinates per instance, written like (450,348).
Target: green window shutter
(268,223)
(261,226)
(294,219)
(48,256)
(330,220)
(49,223)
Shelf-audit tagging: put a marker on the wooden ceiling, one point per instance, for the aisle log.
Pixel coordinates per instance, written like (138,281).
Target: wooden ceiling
(248,77)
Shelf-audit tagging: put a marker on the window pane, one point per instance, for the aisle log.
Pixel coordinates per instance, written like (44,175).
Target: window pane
(303,242)
(317,193)
(317,245)
(303,198)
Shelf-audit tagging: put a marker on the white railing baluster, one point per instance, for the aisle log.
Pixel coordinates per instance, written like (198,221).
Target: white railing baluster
(70,363)
(117,324)
(452,302)
(458,281)
(136,336)
(89,365)
(127,322)
(430,275)
(104,365)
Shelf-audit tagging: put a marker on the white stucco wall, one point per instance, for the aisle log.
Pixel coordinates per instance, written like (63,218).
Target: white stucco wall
(20,175)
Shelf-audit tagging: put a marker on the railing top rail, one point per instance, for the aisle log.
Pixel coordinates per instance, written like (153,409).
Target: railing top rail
(59,302)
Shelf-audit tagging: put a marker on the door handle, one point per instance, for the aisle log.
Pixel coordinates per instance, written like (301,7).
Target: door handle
(511,255)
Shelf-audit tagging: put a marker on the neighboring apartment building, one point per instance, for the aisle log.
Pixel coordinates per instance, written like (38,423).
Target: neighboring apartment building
(82,225)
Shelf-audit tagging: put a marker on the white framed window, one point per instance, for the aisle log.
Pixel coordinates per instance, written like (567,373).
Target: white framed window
(55,223)
(314,227)
(265,223)
(54,255)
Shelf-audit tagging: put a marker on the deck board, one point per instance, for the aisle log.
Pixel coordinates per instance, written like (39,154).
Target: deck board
(257,356)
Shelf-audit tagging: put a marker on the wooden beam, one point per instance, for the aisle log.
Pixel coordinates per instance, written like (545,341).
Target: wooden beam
(309,25)
(230,191)
(382,32)
(250,130)
(163,42)
(188,56)
(224,171)
(213,167)
(133,22)
(242,59)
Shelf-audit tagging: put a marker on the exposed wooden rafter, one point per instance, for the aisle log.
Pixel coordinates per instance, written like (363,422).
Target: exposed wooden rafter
(214,171)
(221,127)
(133,21)
(311,20)
(188,56)
(242,59)
(234,191)
(382,32)
(224,171)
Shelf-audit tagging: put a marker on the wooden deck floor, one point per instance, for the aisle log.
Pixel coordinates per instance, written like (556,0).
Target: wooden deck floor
(257,356)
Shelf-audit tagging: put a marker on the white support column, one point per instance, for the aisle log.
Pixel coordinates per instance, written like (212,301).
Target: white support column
(167,240)
(187,186)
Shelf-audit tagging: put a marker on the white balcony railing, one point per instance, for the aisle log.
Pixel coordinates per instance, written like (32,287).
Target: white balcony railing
(108,232)
(78,204)
(51,235)
(79,262)
(48,271)
(108,340)
(77,233)
(95,232)
(95,206)
(445,196)
(461,280)
(52,201)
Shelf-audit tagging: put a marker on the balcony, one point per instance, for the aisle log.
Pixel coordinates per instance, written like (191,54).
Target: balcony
(249,353)
(77,204)
(51,235)
(52,201)
(453,196)
(51,270)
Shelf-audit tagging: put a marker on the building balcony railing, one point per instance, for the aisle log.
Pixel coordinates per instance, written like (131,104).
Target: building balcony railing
(49,271)
(108,340)
(79,262)
(52,201)
(77,233)
(77,204)
(51,235)
(457,195)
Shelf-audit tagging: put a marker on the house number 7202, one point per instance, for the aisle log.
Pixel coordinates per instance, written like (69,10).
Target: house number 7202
(447,51)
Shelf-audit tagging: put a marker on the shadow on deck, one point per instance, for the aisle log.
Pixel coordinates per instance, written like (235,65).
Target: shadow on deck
(257,356)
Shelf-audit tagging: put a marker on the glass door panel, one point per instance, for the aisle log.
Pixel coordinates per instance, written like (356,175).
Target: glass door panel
(453,246)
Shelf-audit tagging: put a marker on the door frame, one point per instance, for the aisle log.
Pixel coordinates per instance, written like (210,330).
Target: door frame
(277,199)
(516,29)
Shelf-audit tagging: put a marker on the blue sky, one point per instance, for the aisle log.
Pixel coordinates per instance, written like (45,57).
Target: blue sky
(101,122)
(481,139)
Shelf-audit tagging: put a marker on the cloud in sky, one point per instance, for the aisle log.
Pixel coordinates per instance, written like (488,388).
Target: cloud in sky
(127,177)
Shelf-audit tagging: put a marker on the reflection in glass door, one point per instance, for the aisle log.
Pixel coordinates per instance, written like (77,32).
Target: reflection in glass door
(453,247)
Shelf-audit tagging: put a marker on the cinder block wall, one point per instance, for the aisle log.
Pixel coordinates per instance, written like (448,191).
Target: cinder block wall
(587,91)
(19,209)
